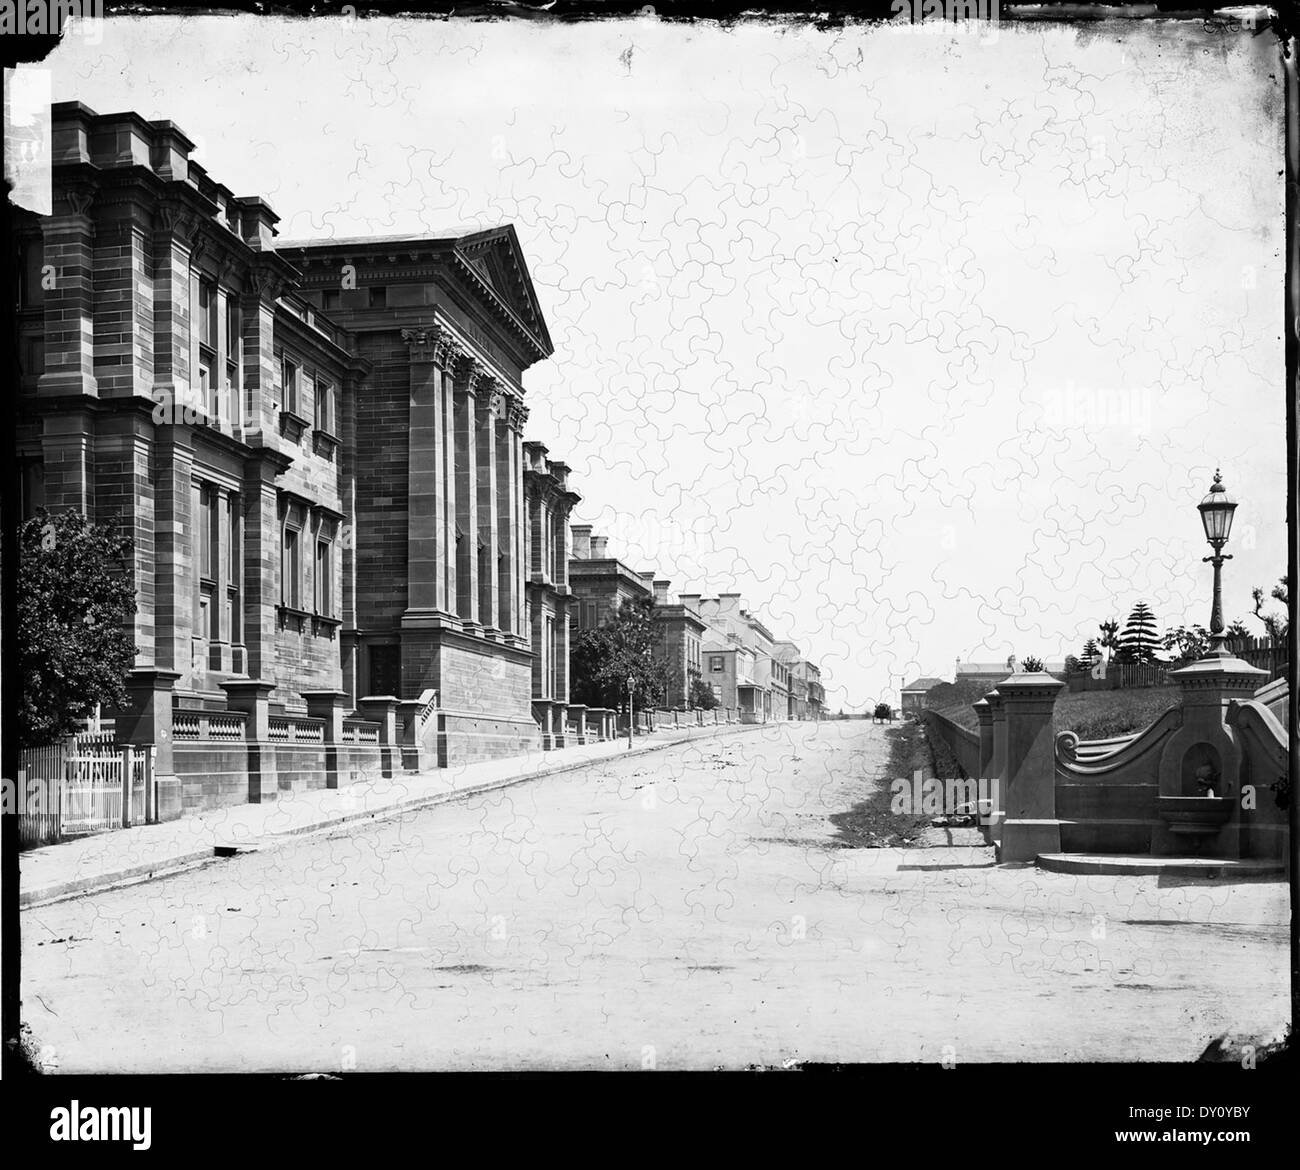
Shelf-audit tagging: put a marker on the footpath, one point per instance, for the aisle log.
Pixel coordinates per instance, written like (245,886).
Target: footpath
(103,860)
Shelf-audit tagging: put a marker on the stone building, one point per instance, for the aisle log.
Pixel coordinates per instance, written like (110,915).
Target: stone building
(548,501)
(742,647)
(448,324)
(601,583)
(317,448)
(811,675)
(912,696)
(681,632)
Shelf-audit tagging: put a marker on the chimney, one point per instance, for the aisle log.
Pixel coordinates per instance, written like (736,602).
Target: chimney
(598,544)
(661,592)
(728,602)
(690,600)
(581,541)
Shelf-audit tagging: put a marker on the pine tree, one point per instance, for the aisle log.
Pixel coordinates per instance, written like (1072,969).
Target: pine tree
(1090,650)
(1139,641)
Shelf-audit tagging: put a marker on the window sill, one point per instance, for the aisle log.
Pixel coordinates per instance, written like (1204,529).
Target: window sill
(293,426)
(320,622)
(324,443)
(287,614)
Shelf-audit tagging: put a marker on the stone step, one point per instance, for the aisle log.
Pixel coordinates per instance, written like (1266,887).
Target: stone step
(1118,864)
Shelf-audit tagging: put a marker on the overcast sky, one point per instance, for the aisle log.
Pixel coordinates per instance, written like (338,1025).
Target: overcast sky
(928,344)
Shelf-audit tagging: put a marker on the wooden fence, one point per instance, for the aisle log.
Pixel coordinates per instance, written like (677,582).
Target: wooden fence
(1271,654)
(87,784)
(1112,676)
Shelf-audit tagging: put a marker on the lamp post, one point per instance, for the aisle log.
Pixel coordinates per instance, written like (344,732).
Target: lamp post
(631,714)
(1216,517)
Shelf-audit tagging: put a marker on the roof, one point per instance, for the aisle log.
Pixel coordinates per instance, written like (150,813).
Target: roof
(924,684)
(489,256)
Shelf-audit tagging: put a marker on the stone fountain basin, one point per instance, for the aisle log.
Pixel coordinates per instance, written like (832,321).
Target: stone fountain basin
(1195,814)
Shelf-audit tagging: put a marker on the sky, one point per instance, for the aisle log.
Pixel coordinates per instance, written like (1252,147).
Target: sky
(926,343)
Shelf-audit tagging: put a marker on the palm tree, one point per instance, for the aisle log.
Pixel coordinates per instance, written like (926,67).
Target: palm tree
(1110,636)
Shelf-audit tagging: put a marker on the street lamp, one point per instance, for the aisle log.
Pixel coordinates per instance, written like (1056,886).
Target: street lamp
(1216,516)
(631,715)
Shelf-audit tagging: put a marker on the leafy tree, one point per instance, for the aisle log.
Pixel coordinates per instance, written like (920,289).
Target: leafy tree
(1139,641)
(76,602)
(1186,644)
(1238,629)
(621,648)
(1277,625)
(1031,665)
(1072,664)
(701,694)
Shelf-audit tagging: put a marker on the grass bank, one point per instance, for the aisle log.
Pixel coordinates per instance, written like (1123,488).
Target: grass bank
(1096,714)
(871,822)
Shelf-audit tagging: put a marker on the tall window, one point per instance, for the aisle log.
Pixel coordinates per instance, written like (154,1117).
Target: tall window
(291,559)
(207,326)
(324,579)
(234,351)
(234,565)
(325,405)
(289,371)
(209,534)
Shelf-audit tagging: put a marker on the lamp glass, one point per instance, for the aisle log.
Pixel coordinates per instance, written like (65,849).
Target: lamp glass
(1216,516)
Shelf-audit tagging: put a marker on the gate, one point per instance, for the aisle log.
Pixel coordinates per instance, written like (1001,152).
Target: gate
(106,786)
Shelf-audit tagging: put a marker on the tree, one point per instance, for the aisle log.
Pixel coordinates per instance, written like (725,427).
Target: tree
(701,694)
(1139,641)
(1277,625)
(1237,630)
(1109,636)
(1091,651)
(1187,644)
(76,602)
(621,648)
(1031,665)
(1072,664)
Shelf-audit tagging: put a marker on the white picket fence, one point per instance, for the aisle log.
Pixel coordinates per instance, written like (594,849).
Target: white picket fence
(88,784)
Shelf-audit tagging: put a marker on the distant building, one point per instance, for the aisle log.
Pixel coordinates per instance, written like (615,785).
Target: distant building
(992,673)
(913,695)
(600,583)
(761,685)
(729,671)
(681,634)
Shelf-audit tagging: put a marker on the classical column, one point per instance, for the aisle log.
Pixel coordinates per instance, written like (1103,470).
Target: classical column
(488,406)
(517,418)
(426,498)
(469,375)
(510,518)
(450,354)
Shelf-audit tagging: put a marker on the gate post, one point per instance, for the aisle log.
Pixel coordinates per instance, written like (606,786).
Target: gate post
(1031,826)
(128,759)
(150,792)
